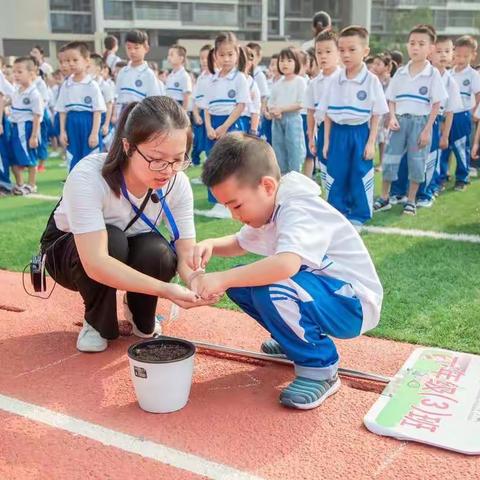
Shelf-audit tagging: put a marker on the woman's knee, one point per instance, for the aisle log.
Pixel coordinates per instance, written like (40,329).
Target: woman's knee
(117,243)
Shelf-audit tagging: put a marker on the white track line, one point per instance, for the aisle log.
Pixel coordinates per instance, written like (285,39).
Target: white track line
(456,237)
(128,443)
(39,196)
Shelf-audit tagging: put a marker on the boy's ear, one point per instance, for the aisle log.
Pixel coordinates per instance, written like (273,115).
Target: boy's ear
(367,52)
(147,47)
(270,185)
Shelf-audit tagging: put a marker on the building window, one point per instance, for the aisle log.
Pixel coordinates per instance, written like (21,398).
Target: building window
(71,23)
(71,5)
(273,8)
(157,11)
(117,10)
(186,12)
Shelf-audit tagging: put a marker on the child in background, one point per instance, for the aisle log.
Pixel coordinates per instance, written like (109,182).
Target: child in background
(251,115)
(226,99)
(309,160)
(136,81)
(326,51)
(317,280)
(369,61)
(284,105)
(27,111)
(274,76)
(355,104)
(441,59)
(119,66)
(8,73)
(199,106)
(179,83)
(162,75)
(97,65)
(381,67)
(80,104)
(6,90)
(414,94)
(161,85)
(110,53)
(468,81)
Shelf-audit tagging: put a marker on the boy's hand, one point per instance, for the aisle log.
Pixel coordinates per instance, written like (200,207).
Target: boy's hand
(202,252)
(424,139)
(369,151)
(476,150)
(210,285)
(312,146)
(33,142)
(197,119)
(443,143)
(220,131)
(393,124)
(326,146)
(93,141)
(104,130)
(211,133)
(63,139)
(267,115)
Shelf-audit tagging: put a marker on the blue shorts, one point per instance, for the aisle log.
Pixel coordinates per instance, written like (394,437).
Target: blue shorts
(78,126)
(22,154)
(5,154)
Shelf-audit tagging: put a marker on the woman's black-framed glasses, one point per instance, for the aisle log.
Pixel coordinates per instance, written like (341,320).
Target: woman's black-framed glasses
(159,165)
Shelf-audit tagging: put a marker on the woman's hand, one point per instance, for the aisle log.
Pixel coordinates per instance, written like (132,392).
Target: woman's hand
(210,285)
(181,296)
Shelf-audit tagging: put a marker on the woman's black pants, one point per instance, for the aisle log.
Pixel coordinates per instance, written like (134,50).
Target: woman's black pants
(148,253)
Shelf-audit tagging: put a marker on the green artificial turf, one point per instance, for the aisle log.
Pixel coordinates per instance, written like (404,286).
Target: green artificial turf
(432,292)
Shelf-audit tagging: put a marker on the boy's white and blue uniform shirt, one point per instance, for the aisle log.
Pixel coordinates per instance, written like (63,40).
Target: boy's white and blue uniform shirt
(200,90)
(314,96)
(416,95)
(26,104)
(108,90)
(454,101)
(226,92)
(84,96)
(261,81)
(354,101)
(136,83)
(306,225)
(468,80)
(43,89)
(178,84)
(254,106)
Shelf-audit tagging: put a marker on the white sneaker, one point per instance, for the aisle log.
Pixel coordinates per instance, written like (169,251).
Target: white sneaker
(28,189)
(396,199)
(196,181)
(424,203)
(89,340)
(18,189)
(218,211)
(157,330)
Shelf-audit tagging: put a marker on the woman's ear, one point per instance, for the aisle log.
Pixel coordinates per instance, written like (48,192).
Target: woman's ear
(126,146)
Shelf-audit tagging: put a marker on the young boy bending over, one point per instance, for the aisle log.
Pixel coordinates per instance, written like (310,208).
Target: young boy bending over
(317,279)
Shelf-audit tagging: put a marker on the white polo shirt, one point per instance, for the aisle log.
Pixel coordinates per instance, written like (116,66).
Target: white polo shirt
(161,87)
(89,204)
(314,97)
(46,68)
(468,80)
(136,83)
(416,95)
(354,101)
(26,104)
(200,89)
(108,90)
(254,106)
(305,224)
(42,88)
(6,88)
(261,81)
(84,96)
(454,101)
(178,84)
(112,60)
(224,93)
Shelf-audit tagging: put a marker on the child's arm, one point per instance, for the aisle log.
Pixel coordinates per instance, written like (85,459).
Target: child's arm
(196,115)
(426,135)
(311,130)
(393,124)
(476,143)
(326,136)
(232,118)
(33,141)
(208,126)
(63,132)
(108,118)
(186,99)
(369,151)
(263,272)
(446,127)
(254,123)
(93,138)
(220,247)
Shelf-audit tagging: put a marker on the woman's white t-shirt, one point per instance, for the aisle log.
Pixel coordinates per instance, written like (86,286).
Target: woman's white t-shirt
(88,203)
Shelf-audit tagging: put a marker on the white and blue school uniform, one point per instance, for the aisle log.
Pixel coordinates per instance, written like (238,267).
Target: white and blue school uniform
(79,100)
(108,93)
(254,106)
(178,84)
(264,88)
(46,125)
(314,101)
(414,98)
(6,90)
(133,84)
(199,99)
(111,60)
(223,95)
(25,104)
(303,112)
(468,81)
(336,293)
(350,104)
(432,174)
(287,131)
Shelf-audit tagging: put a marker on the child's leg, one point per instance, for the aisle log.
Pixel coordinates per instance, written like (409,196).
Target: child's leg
(425,191)
(32,175)
(278,143)
(294,142)
(399,187)
(321,160)
(308,163)
(18,174)
(461,130)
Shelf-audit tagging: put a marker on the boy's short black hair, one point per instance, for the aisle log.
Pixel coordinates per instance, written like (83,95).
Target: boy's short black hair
(29,63)
(110,42)
(355,31)
(466,41)
(397,57)
(443,39)
(292,54)
(368,60)
(182,51)
(82,47)
(247,157)
(139,37)
(40,49)
(326,36)
(428,30)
